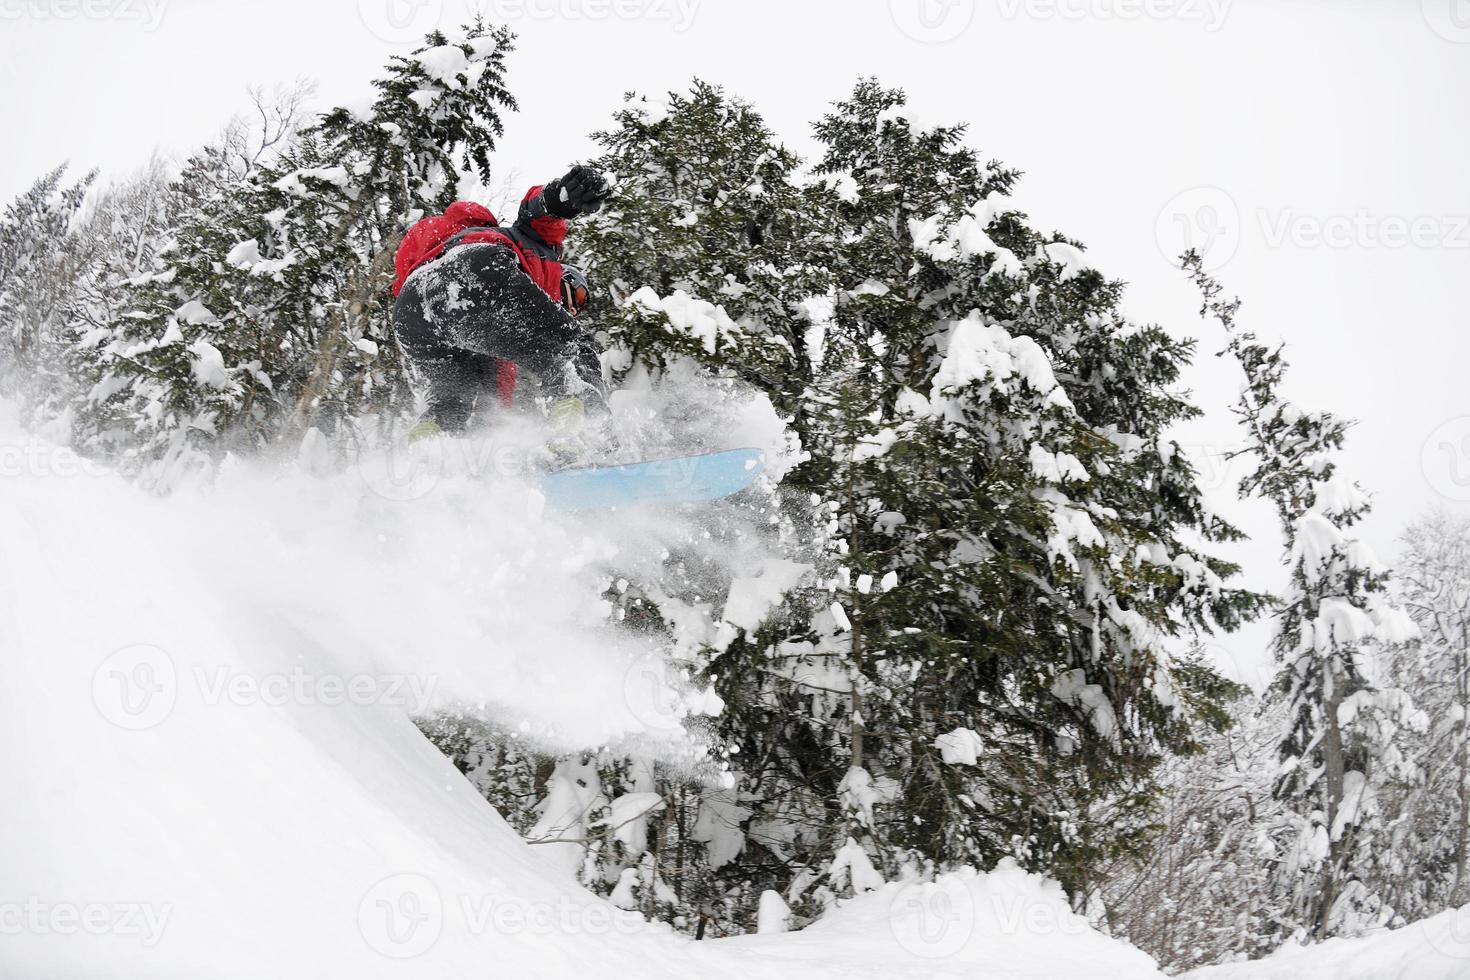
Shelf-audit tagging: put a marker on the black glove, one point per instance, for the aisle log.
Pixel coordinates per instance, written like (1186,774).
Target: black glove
(582,191)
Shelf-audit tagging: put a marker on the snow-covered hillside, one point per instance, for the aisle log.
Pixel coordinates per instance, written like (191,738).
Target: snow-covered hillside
(1436,948)
(217,775)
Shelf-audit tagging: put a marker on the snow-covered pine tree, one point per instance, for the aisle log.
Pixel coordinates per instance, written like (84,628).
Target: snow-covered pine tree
(500,765)
(1000,468)
(264,315)
(1429,868)
(981,671)
(1346,735)
(707,243)
(1202,892)
(113,242)
(36,275)
(702,260)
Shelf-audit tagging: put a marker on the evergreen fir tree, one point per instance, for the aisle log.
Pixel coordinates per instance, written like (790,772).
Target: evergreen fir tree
(36,274)
(111,251)
(264,314)
(1428,866)
(1346,736)
(1034,585)
(980,670)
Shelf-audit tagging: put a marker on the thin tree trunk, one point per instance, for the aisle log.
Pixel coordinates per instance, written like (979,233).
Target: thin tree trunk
(1462,758)
(359,300)
(1332,753)
(855,622)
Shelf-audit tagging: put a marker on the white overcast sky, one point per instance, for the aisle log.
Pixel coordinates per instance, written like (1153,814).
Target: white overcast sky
(1302,140)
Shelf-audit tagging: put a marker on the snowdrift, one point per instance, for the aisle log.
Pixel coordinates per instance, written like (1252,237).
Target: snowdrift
(1436,948)
(211,771)
(1006,925)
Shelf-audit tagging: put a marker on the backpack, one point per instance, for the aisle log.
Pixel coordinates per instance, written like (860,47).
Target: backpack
(426,240)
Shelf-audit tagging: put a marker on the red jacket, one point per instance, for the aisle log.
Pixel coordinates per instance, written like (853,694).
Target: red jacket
(537,238)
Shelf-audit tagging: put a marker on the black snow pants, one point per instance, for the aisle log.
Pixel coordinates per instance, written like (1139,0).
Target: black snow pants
(458,315)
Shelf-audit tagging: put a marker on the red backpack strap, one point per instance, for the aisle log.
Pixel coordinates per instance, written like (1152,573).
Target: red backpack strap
(505,382)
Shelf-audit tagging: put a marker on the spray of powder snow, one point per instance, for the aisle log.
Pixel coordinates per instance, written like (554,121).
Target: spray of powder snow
(432,575)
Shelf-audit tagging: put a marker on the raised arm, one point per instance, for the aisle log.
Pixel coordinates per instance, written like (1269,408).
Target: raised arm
(546,210)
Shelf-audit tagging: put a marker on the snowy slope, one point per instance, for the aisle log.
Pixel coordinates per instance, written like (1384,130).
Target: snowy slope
(210,769)
(1006,925)
(1437,948)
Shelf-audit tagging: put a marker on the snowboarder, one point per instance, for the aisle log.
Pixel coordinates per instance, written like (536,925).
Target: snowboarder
(475,302)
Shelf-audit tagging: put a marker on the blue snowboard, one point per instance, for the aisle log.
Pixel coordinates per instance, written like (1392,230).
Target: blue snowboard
(681,480)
